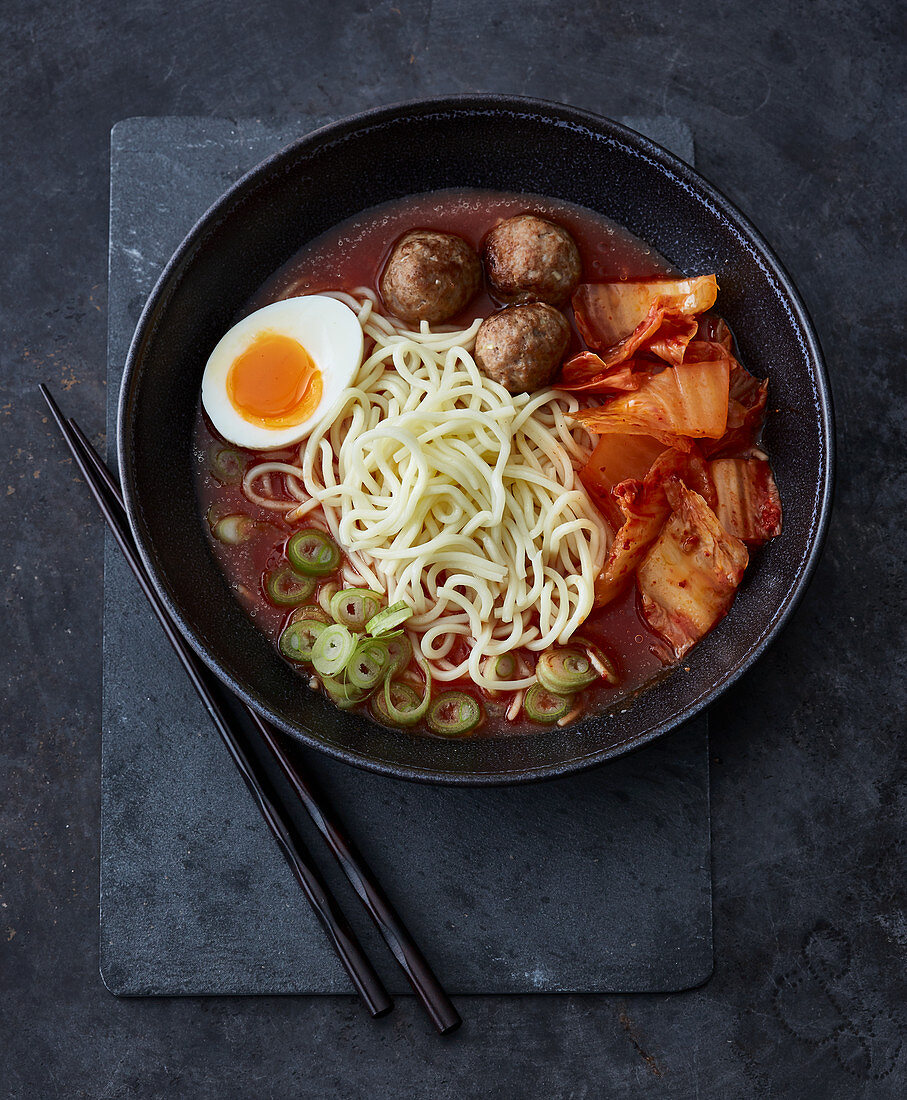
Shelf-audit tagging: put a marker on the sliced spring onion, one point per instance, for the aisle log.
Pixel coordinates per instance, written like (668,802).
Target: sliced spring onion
(405,699)
(504,667)
(299,637)
(454,713)
(368,663)
(332,651)
(310,611)
(326,594)
(234,529)
(601,662)
(400,652)
(343,694)
(227,464)
(389,619)
(354,607)
(285,588)
(313,553)
(406,715)
(565,669)
(542,705)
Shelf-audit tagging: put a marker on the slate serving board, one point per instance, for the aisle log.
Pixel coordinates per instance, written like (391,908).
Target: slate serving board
(599,882)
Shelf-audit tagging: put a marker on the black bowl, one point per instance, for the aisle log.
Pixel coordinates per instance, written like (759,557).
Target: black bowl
(494,142)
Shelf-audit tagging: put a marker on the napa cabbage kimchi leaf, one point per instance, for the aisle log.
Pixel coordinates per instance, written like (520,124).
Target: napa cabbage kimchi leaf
(671,339)
(645,507)
(679,404)
(688,577)
(747,397)
(615,319)
(746,394)
(588,371)
(748,503)
(617,458)
(716,330)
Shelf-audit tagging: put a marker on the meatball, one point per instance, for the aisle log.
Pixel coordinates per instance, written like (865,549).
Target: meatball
(530,259)
(429,276)
(522,346)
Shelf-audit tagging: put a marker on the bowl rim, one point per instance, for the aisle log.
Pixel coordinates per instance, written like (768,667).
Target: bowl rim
(691,180)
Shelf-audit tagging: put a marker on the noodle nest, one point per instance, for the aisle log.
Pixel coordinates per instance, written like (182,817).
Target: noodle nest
(453,495)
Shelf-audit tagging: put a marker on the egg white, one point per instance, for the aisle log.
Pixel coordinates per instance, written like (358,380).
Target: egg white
(328,330)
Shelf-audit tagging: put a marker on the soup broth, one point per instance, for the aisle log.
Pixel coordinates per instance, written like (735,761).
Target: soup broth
(351,256)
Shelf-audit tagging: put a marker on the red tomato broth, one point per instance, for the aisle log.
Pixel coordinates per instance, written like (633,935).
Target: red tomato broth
(352,255)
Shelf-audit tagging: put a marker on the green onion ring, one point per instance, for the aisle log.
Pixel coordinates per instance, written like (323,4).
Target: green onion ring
(454,713)
(542,705)
(227,464)
(313,553)
(368,663)
(400,652)
(286,588)
(332,650)
(299,637)
(406,700)
(310,611)
(611,675)
(234,529)
(389,619)
(565,669)
(504,667)
(342,693)
(354,607)
(409,717)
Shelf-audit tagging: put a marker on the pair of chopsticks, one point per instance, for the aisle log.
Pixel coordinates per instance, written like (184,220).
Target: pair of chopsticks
(365,978)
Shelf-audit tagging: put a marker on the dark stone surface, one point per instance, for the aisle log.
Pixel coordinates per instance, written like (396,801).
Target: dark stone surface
(196,898)
(797,113)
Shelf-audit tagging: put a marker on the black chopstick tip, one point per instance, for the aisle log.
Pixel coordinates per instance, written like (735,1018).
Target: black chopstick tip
(55,410)
(51,404)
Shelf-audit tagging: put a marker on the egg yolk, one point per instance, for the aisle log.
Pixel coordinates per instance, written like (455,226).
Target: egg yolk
(274,382)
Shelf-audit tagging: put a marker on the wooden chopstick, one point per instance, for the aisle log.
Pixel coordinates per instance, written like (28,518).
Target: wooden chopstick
(400,941)
(357,964)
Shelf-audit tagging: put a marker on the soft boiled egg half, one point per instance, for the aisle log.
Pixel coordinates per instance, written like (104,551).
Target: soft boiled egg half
(282,371)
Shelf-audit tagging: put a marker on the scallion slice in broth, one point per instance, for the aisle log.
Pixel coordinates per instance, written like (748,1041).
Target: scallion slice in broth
(406,701)
(368,663)
(354,607)
(542,705)
(389,619)
(286,588)
(564,670)
(313,553)
(601,662)
(400,652)
(234,529)
(227,464)
(332,651)
(504,667)
(406,715)
(454,713)
(299,637)
(343,694)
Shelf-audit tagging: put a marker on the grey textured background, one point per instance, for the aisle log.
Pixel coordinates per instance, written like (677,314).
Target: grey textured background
(195,896)
(798,112)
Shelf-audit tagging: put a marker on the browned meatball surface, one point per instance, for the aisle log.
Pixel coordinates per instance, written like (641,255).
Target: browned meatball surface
(530,259)
(522,346)
(429,276)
